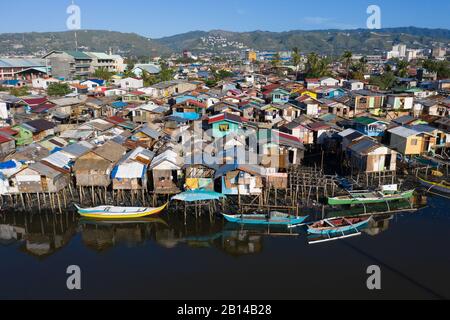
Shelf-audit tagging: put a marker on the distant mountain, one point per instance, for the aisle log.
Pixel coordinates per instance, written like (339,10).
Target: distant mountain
(131,44)
(323,41)
(127,44)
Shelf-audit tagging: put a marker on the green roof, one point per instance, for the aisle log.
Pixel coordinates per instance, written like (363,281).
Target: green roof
(414,90)
(365,120)
(78,55)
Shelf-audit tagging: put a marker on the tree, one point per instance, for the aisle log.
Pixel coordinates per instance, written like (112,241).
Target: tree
(103,74)
(316,66)
(58,89)
(401,67)
(359,69)
(148,79)
(296,60)
(441,68)
(20,92)
(347,59)
(276,61)
(385,81)
(166,73)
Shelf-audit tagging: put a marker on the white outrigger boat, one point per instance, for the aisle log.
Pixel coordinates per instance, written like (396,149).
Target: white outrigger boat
(111,212)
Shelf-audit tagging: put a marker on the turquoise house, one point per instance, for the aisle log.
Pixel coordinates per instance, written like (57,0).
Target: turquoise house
(330,93)
(224,124)
(370,127)
(280,96)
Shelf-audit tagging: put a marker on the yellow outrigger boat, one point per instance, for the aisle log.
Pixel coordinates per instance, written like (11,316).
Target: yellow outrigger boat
(115,213)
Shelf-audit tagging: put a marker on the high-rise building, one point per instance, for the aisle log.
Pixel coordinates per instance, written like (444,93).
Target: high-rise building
(439,53)
(401,49)
(251,56)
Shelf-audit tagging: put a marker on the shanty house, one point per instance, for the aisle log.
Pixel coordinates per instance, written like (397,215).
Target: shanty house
(167,172)
(41,178)
(279,149)
(94,168)
(367,155)
(280,96)
(39,128)
(8,170)
(370,127)
(410,142)
(224,124)
(234,179)
(7,145)
(130,173)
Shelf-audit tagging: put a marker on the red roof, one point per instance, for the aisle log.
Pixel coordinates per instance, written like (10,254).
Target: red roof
(289,136)
(137,93)
(42,107)
(9,131)
(5,138)
(312,80)
(226,117)
(195,103)
(115,119)
(35,101)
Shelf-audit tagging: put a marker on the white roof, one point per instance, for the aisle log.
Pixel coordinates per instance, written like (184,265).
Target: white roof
(346,132)
(403,132)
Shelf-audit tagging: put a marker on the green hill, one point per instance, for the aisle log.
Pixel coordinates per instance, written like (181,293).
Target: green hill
(131,44)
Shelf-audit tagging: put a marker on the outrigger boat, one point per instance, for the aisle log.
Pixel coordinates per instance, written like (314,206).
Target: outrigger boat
(367,197)
(111,212)
(442,186)
(274,218)
(339,228)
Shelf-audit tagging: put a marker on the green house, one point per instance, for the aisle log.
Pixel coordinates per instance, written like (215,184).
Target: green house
(24,136)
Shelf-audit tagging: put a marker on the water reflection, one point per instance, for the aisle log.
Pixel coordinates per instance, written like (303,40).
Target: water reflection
(39,235)
(43,235)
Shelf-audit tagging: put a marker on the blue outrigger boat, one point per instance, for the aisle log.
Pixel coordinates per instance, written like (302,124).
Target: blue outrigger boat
(272,219)
(339,227)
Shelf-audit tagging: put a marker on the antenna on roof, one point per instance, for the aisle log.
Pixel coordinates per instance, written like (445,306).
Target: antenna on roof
(76,35)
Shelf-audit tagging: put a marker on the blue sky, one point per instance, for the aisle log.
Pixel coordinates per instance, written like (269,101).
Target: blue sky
(157,18)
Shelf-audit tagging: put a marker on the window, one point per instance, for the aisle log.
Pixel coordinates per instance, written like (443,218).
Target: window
(224,127)
(414,142)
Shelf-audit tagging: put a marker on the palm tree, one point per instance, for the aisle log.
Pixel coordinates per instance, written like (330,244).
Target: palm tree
(363,64)
(296,60)
(316,66)
(347,59)
(402,68)
(276,60)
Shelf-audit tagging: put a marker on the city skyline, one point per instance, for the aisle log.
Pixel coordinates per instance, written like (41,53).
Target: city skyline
(151,18)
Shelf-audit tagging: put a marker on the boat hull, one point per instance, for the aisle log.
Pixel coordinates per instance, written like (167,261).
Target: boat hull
(339,231)
(388,198)
(129,213)
(434,186)
(263,221)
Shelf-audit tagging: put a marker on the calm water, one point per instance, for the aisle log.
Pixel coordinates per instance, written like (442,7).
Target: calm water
(164,259)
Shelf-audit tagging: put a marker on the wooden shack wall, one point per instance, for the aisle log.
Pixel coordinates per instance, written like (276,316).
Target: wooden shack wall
(92,179)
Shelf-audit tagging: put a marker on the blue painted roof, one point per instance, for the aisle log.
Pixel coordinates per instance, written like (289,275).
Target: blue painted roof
(119,104)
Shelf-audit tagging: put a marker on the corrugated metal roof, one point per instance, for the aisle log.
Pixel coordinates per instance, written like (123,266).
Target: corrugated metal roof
(403,132)
(77,150)
(363,146)
(44,170)
(21,63)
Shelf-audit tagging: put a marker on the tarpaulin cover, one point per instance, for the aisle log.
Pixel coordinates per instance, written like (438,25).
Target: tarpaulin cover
(198,195)
(129,171)
(7,165)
